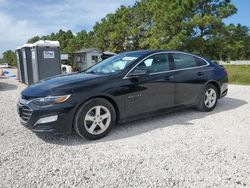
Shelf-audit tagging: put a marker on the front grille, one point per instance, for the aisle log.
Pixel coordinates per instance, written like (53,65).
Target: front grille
(25,113)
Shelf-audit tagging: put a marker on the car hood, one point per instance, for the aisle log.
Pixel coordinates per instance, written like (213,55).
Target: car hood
(62,84)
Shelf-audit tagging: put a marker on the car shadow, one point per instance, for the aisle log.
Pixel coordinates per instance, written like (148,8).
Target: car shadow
(122,131)
(7,86)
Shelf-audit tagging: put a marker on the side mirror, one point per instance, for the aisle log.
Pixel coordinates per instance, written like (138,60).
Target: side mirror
(137,72)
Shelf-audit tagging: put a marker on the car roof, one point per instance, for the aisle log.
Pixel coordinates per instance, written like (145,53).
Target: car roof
(142,52)
(149,52)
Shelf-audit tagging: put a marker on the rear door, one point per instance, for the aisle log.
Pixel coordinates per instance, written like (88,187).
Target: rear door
(190,75)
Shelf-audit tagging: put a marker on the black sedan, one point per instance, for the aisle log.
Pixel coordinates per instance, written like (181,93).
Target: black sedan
(121,88)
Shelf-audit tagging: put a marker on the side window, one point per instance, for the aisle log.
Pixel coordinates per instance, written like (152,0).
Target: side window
(83,58)
(183,61)
(94,59)
(155,63)
(200,62)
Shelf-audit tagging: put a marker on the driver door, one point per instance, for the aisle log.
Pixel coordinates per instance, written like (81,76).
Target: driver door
(153,90)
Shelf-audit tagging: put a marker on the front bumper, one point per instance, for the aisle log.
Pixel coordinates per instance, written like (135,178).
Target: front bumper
(62,125)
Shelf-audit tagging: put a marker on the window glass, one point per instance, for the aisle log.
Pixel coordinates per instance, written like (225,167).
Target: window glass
(183,61)
(120,65)
(95,59)
(148,62)
(83,58)
(114,64)
(155,63)
(200,62)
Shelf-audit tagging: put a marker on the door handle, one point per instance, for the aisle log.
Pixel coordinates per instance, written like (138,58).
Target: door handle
(200,73)
(169,78)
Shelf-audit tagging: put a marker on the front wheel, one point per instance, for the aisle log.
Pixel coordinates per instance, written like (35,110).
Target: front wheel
(95,119)
(209,98)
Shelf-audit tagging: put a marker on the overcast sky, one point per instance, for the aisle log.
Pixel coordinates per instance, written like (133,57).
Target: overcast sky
(22,19)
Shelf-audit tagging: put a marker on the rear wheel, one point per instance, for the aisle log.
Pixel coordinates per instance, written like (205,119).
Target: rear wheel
(209,98)
(95,119)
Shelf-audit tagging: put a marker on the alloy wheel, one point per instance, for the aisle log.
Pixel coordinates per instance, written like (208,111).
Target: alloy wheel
(210,98)
(97,120)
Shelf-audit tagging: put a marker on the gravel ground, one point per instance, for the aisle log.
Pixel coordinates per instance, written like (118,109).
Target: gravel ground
(182,149)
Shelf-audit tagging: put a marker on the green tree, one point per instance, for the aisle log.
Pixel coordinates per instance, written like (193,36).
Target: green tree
(83,39)
(205,20)
(140,24)
(34,39)
(62,36)
(167,28)
(230,44)
(9,57)
(190,25)
(111,33)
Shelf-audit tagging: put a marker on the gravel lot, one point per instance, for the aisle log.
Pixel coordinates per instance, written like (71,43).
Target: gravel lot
(186,148)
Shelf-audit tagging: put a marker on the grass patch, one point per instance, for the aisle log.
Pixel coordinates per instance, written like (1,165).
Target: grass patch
(238,74)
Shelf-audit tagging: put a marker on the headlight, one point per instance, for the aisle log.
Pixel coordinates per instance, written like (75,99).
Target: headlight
(51,100)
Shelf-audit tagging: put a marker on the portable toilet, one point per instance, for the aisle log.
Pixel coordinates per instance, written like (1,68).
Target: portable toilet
(45,59)
(27,63)
(20,67)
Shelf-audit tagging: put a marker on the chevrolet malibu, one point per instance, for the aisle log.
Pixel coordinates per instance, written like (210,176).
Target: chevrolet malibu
(121,88)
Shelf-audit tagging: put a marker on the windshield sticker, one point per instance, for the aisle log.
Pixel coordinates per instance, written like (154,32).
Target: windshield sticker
(129,58)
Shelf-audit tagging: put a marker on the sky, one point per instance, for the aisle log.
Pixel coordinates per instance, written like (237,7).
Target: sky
(23,19)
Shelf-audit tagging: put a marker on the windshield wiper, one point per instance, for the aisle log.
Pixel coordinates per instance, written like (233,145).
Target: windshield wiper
(93,72)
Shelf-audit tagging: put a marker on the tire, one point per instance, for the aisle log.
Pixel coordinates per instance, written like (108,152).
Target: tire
(94,119)
(208,104)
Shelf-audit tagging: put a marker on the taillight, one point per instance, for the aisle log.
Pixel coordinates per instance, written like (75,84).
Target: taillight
(225,71)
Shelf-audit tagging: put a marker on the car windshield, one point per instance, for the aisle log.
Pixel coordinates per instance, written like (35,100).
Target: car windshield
(114,64)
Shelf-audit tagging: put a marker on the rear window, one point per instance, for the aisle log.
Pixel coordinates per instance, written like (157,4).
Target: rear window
(183,61)
(200,62)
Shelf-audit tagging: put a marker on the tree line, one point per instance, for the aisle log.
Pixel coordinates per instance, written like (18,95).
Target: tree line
(196,26)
